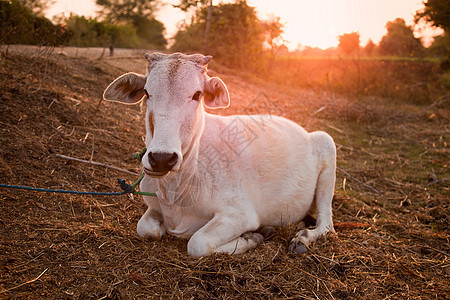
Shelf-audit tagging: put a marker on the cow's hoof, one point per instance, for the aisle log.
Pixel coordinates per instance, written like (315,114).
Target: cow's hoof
(297,247)
(150,229)
(268,232)
(253,237)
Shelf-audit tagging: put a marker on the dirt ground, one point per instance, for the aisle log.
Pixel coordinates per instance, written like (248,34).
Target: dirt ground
(391,205)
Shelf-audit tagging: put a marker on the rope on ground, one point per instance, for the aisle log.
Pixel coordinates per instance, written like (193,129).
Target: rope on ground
(126,189)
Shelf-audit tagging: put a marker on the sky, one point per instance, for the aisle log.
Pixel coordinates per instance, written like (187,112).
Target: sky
(315,23)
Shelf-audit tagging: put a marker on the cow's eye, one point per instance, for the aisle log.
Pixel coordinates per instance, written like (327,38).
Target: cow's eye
(197,96)
(146,94)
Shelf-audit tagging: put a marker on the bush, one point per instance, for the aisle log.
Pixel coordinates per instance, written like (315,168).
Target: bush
(92,33)
(150,33)
(412,81)
(21,26)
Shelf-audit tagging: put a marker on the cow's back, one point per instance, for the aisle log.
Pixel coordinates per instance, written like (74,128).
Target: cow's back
(271,158)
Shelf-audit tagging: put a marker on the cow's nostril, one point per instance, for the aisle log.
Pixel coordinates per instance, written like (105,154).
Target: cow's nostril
(151,160)
(162,162)
(173,160)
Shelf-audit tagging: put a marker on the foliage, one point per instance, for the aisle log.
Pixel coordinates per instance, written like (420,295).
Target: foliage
(370,48)
(150,32)
(273,30)
(139,14)
(440,46)
(349,43)
(37,6)
(185,5)
(237,37)
(21,26)
(93,33)
(117,11)
(436,12)
(400,40)
(401,80)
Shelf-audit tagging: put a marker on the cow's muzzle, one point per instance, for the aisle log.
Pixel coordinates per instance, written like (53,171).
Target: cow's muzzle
(161,163)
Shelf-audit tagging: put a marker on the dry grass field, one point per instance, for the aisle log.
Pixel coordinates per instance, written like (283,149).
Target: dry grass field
(391,205)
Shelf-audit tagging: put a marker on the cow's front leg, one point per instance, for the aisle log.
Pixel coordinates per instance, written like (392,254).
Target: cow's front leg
(225,234)
(151,225)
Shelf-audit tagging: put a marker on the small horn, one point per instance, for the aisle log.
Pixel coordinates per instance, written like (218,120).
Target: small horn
(200,59)
(152,57)
(207,59)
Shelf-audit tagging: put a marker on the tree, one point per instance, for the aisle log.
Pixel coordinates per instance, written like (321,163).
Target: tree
(399,40)
(440,46)
(20,25)
(185,5)
(38,6)
(140,13)
(237,37)
(370,48)
(151,31)
(273,30)
(93,33)
(436,12)
(117,11)
(349,43)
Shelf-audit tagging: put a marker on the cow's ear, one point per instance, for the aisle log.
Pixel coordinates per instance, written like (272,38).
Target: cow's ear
(128,89)
(216,93)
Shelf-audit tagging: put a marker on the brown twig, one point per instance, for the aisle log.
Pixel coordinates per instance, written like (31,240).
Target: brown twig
(357,180)
(25,283)
(96,164)
(437,181)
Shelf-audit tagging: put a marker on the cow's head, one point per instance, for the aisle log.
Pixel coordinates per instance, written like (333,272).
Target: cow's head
(175,87)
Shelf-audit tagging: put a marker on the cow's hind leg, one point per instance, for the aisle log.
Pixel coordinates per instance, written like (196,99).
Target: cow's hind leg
(323,198)
(225,234)
(242,244)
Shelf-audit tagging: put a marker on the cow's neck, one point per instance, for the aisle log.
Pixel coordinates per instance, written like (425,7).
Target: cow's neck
(180,188)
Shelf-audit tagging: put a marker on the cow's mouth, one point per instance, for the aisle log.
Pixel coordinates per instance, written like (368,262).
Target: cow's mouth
(155,174)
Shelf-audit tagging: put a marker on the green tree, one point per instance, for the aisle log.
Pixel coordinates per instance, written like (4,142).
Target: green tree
(273,41)
(151,32)
(185,5)
(20,25)
(117,11)
(237,37)
(400,40)
(139,13)
(349,43)
(436,12)
(38,6)
(440,46)
(93,33)
(370,48)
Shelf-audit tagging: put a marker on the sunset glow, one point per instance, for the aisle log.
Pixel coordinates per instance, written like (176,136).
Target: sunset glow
(315,23)
(319,23)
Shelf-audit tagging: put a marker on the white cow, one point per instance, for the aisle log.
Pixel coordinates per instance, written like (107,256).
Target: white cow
(218,179)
